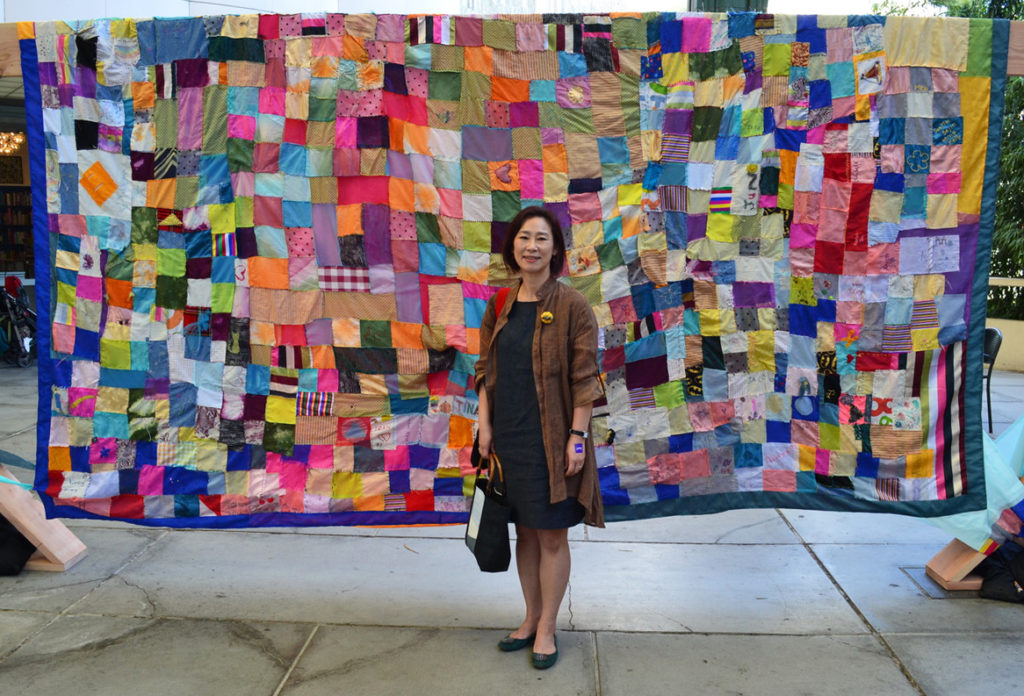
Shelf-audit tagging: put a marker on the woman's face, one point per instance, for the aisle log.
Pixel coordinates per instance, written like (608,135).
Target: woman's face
(534,247)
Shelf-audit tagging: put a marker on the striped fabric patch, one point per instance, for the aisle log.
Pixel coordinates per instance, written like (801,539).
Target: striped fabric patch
(925,316)
(888,489)
(430,29)
(568,38)
(896,338)
(641,398)
(675,147)
(673,198)
(225,245)
(721,199)
(315,403)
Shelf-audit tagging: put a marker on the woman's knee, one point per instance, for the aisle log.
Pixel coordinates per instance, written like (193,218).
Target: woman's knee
(553,540)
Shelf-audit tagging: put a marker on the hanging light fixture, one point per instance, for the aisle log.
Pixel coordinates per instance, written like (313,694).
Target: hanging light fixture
(10,142)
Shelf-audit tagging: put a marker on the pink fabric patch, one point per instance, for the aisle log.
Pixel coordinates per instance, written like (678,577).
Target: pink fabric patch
(551,136)
(573,92)
(802,235)
(451,202)
(843,106)
(946,182)
(103,451)
(345,130)
(945,158)
(64,338)
(897,80)
(272,101)
(531,37)
(391,28)
(151,480)
(696,35)
(816,136)
(835,140)
(892,159)
(327,46)
(455,336)
(883,259)
(862,168)
(584,207)
(396,459)
(821,457)
(321,456)
(531,179)
(336,23)
(476,291)
(90,288)
(190,118)
(243,127)
(524,115)
(801,261)
(840,45)
(945,80)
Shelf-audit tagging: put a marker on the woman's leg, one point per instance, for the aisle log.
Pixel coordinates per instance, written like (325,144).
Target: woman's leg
(553,569)
(528,567)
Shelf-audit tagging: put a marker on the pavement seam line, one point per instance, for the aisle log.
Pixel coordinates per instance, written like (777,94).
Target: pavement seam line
(856,610)
(295,662)
(597,664)
(67,610)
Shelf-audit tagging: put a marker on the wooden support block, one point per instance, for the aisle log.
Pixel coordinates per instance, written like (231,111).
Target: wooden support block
(951,567)
(57,548)
(1015,53)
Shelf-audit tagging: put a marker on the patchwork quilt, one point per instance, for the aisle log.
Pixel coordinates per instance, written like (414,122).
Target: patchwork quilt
(264,246)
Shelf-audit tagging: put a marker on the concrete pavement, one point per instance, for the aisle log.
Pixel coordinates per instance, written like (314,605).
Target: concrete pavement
(742,602)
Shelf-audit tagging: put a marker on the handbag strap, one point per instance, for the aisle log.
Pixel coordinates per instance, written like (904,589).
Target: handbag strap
(495,472)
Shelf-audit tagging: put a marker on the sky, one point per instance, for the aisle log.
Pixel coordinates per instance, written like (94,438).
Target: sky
(816,7)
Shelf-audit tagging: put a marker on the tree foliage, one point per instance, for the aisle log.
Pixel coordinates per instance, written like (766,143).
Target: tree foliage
(1008,236)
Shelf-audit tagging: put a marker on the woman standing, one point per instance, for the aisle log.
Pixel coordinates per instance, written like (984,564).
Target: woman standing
(537,378)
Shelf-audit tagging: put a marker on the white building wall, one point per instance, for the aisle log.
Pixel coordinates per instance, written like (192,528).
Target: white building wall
(46,10)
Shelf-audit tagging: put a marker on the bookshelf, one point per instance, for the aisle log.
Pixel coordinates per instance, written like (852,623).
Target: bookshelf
(16,230)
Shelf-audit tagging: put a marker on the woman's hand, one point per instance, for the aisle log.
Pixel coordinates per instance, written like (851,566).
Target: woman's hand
(484,438)
(575,451)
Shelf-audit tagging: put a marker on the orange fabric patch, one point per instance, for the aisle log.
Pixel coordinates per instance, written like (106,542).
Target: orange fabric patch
(479,59)
(509,89)
(143,95)
(97,183)
(460,432)
(350,219)
(402,194)
(160,193)
(504,175)
(119,292)
(268,273)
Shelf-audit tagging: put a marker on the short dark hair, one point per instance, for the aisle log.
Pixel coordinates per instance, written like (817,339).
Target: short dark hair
(534,211)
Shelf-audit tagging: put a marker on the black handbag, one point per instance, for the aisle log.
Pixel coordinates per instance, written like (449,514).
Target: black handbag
(487,531)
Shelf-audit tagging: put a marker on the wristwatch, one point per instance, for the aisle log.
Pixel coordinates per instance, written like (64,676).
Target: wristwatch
(582,433)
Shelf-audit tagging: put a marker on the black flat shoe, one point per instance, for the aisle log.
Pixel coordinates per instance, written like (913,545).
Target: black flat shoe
(510,644)
(542,661)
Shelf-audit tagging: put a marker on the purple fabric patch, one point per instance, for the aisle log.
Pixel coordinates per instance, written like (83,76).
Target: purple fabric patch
(696,227)
(325,235)
(191,72)
(679,121)
(746,294)
(648,373)
(407,296)
(487,144)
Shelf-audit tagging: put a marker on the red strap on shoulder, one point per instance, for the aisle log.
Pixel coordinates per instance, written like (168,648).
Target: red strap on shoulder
(499,301)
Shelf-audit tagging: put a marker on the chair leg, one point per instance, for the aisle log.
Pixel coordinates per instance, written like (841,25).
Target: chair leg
(988,395)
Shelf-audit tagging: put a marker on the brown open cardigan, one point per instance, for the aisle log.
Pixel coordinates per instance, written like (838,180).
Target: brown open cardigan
(566,375)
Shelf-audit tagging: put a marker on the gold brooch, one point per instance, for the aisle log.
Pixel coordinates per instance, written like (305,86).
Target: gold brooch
(547,318)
